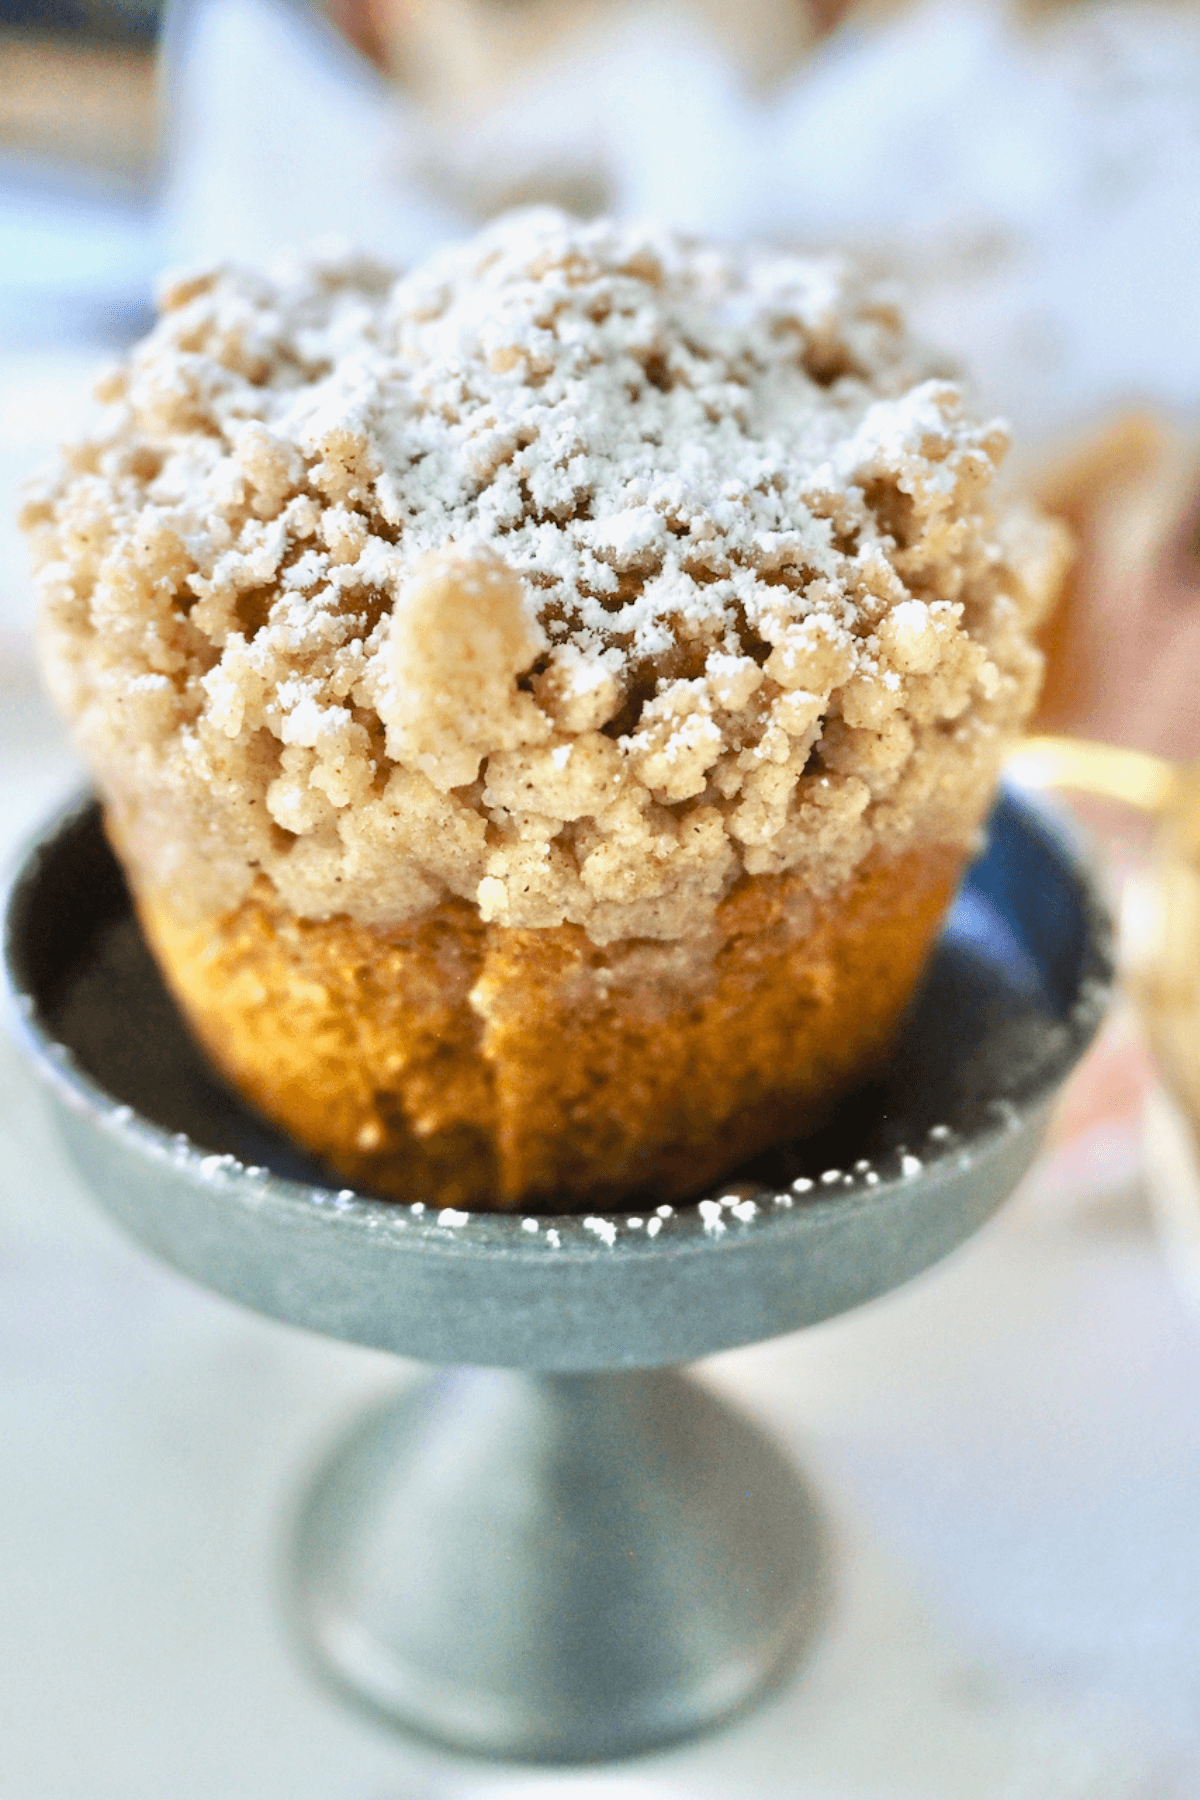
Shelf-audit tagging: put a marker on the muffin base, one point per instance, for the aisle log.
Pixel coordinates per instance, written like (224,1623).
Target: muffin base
(475,1065)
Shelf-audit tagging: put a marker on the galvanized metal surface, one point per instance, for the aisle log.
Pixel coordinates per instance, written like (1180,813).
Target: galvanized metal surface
(558,1568)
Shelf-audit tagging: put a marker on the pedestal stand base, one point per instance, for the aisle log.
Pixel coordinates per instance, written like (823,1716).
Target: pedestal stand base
(558,1568)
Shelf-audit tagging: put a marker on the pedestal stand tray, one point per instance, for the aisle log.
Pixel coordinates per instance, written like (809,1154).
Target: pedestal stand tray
(560,1548)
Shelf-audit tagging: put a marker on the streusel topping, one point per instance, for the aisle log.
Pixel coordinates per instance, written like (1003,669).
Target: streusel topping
(575,573)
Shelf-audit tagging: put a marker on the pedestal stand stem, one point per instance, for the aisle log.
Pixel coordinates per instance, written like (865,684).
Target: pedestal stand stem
(558,1568)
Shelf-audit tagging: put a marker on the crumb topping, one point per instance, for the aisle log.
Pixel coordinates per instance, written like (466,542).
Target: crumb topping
(575,573)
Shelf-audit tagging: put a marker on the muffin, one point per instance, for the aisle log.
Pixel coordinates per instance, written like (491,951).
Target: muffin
(543,703)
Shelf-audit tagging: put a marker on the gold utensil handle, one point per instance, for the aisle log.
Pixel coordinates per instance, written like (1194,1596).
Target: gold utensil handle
(1105,770)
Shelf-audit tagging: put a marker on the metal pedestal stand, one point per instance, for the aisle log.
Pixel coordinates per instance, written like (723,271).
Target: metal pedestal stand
(594,1556)
(564,1566)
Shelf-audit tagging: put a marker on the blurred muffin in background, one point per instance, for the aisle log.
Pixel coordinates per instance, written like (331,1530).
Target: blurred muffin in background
(1123,645)
(457,54)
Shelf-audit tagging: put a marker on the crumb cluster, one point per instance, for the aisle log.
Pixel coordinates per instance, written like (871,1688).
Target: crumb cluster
(575,573)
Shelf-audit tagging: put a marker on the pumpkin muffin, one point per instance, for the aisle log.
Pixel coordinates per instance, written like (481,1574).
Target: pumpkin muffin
(543,702)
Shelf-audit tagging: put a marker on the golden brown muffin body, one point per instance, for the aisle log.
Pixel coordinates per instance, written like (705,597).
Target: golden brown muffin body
(478,1065)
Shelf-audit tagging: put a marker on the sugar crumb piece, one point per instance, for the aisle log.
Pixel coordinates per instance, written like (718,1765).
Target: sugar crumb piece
(710,1212)
(462,631)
